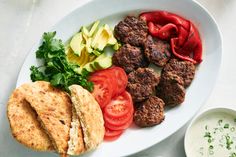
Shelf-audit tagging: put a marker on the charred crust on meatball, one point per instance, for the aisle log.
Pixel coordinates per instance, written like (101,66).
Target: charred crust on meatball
(129,58)
(157,51)
(131,30)
(184,69)
(171,89)
(142,83)
(149,112)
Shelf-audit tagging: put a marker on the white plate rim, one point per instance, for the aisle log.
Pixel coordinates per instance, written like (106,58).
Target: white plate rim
(185,121)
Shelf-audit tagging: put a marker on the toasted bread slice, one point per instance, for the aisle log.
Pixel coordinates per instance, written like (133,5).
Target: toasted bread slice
(90,116)
(53,108)
(76,142)
(23,121)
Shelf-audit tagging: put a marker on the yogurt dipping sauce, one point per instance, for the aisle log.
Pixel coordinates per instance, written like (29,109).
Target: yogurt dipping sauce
(212,134)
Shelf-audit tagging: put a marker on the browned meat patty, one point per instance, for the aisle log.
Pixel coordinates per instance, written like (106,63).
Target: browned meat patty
(157,51)
(142,83)
(129,58)
(150,112)
(131,30)
(171,89)
(184,69)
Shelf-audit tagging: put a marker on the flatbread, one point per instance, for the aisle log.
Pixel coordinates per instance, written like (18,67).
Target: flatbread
(90,116)
(53,108)
(23,122)
(76,142)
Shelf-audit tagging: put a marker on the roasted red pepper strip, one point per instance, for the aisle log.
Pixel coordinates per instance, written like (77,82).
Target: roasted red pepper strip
(153,29)
(173,42)
(184,37)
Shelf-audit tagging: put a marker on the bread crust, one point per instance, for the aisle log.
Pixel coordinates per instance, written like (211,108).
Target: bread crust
(90,116)
(53,108)
(23,121)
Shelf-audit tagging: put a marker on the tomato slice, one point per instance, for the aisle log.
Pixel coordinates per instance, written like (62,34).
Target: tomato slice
(111,135)
(102,91)
(119,106)
(121,127)
(121,78)
(117,78)
(107,73)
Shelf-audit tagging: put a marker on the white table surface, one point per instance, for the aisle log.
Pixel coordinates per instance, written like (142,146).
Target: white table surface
(22,22)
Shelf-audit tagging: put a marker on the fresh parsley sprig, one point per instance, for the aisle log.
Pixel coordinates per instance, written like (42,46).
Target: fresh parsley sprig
(56,69)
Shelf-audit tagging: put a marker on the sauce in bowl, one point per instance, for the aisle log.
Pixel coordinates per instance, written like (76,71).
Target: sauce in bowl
(212,134)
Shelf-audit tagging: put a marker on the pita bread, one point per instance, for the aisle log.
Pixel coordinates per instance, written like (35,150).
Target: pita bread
(53,108)
(90,116)
(23,121)
(76,142)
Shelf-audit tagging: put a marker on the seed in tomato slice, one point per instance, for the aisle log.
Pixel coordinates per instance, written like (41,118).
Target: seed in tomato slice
(119,106)
(107,74)
(102,92)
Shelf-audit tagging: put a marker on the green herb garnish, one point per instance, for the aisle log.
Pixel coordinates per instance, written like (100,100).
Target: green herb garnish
(207,134)
(233,155)
(229,142)
(211,147)
(220,121)
(56,69)
(226,126)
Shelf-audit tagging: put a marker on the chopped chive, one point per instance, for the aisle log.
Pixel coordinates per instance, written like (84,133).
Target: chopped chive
(233,155)
(229,142)
(209,140)
(206,127)
(232,129)
(234,119)
(211,152)
(211,147)
(207,134)
(220,121)
(226,126)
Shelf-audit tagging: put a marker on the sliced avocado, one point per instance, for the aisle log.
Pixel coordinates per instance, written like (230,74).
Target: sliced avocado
(88,45)
(97,53)
(76,43)
(100,38)
(112,40)
(93,28)
(93,66)
(88,67)
(85,31)
(86,58)
(103,63)
(116,46)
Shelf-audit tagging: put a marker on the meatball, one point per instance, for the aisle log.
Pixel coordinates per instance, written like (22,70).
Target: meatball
(131,30)
(184,69)
(157,51)
(129,58)
(142,83)
(150,112)
(171,89)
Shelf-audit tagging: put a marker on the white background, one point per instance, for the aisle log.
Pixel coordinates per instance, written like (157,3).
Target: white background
(23,21)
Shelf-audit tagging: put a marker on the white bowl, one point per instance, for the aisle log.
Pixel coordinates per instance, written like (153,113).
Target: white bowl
(210,115)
